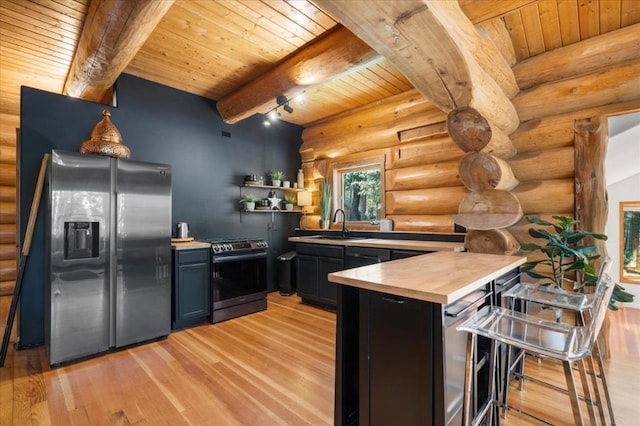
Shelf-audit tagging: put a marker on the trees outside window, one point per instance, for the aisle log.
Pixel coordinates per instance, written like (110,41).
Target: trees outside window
(359,189)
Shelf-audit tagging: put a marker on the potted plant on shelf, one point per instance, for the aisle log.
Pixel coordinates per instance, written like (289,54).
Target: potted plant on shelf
(249,201)
(565,261)
(325,205)
(289,202)
(276,178)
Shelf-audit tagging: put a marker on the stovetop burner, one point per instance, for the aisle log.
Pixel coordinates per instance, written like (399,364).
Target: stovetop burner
(226,245)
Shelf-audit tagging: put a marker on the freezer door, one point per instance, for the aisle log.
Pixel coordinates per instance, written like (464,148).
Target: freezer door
(143,252)
(77,286)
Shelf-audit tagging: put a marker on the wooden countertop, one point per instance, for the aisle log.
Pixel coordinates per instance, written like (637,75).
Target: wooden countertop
(384,243)
(442,277)
(190,245)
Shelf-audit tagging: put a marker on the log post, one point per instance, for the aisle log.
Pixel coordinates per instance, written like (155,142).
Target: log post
(591,204)
(490,206)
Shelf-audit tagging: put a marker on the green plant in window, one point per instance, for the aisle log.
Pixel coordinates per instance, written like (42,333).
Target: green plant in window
(325,201)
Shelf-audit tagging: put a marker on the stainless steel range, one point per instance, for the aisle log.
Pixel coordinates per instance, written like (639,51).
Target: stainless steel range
(238,277)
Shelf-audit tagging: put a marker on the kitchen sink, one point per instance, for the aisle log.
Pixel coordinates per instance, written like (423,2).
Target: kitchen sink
(335,237)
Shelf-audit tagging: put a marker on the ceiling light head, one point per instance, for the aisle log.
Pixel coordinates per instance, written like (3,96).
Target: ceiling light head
(299,98)
(287,108)
(273,115)
(281,100)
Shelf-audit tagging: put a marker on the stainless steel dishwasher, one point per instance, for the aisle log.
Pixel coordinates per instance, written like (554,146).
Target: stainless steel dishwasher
(454,343)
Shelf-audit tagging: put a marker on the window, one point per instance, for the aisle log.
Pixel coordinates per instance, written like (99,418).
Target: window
(359,189)
(630,242)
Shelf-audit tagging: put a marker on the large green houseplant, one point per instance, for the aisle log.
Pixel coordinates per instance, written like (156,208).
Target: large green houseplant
(566,262)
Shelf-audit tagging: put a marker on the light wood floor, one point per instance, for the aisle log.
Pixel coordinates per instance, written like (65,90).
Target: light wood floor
(272,367)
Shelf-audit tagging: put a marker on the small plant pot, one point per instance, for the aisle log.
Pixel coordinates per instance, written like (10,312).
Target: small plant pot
(249,206)
(275,182)
(286,184)
(288,206)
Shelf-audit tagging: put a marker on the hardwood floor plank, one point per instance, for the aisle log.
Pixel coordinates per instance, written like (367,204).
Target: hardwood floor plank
(274,367)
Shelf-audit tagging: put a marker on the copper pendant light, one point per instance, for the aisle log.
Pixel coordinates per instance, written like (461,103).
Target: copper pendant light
(105,140)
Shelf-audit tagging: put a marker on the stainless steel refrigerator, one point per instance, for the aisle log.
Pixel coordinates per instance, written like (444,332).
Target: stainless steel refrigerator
(108,254)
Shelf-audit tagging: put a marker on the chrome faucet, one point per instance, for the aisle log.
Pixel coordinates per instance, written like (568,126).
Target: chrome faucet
(345,231)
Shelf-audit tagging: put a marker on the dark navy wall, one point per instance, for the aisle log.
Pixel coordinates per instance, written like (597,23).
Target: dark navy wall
(161,125)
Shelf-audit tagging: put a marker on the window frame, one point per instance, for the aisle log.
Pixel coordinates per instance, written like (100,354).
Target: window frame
(369,162)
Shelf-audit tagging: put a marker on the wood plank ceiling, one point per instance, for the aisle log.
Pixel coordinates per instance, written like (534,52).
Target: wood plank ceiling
(214,47)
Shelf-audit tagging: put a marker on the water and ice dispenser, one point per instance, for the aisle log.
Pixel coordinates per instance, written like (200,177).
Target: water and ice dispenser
(81,240)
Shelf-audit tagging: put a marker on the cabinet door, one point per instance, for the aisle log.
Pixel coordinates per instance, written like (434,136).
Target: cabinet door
(327,290)
(307,275)
(395,360)
(193,291)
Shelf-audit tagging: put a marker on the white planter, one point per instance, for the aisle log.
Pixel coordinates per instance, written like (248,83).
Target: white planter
(286,184)
(288,206)
(275,182)
(249,206)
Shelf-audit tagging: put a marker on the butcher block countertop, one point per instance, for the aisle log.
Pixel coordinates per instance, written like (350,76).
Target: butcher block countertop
(384,243)
(188,245)
(442,277)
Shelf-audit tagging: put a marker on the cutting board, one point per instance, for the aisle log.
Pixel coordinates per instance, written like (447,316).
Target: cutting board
(181,240)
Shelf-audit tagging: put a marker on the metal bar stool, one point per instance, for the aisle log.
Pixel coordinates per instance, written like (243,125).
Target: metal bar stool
(580,303)
(563,342)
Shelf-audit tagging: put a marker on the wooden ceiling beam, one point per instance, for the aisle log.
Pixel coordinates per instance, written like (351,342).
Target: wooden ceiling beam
(318,62)
(339,52)
(113,33)
(438,49)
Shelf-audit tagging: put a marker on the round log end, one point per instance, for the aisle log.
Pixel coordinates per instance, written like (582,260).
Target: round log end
(487,221)
(495,241)
(468,129)
(490,201)
(480,171)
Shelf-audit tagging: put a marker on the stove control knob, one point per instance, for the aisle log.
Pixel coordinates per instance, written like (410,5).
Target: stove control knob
(216,248)
(227,247)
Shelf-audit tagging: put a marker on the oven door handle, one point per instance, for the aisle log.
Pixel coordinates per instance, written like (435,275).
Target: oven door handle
(236,257)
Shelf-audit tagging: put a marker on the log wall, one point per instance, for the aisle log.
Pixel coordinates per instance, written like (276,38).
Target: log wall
(8,126)
(422,186)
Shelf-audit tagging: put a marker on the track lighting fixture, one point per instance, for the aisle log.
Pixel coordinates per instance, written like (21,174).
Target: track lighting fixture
(283,102)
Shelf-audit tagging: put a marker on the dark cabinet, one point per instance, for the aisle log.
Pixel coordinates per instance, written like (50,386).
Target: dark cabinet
(362,256)
(314,263)
(401,360)
(191,290)
(396,346)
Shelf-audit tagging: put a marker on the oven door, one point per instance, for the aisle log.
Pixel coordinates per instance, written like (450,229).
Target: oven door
(238,278)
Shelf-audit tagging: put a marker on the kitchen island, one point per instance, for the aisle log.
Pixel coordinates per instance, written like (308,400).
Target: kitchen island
(399,359)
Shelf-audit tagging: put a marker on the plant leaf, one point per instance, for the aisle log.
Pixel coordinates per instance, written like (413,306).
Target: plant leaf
(533,219)
(529,247)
